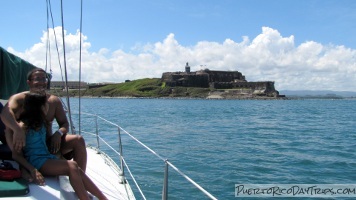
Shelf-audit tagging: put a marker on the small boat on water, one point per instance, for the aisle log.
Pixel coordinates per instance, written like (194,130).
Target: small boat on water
(108,171)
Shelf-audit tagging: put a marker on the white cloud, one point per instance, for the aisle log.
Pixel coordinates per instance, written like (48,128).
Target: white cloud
(267,57)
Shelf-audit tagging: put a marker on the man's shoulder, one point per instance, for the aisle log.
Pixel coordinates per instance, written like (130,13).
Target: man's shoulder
(18,97)
(53,99)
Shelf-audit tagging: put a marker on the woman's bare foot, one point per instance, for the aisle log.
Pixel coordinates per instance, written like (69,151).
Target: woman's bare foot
(38,177)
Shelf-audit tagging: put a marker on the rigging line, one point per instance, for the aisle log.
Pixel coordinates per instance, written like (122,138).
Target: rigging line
(55,39)
(80,59)
(48,52)
(65,71)
(48,48)
(56,43)
(47,43)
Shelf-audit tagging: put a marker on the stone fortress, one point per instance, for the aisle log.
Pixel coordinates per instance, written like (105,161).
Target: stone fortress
(222,83)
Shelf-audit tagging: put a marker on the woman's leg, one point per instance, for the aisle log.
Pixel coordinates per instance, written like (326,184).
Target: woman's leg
(91,187)
(69,168)
(80,182)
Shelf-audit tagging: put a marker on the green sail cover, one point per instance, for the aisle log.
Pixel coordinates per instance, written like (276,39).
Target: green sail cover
(13,74)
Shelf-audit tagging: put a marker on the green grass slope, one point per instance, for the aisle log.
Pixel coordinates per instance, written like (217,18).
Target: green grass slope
(145,88)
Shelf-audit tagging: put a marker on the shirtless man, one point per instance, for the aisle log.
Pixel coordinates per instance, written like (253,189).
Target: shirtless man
(66,144)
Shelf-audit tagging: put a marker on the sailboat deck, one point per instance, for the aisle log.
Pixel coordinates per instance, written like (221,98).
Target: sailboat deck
(100,168)
(107,178)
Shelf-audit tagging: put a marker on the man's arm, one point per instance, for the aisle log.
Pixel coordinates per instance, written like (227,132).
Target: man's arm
(61,118)
(8,116)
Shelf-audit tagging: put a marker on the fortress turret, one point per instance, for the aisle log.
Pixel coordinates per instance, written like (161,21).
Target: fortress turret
(187,68)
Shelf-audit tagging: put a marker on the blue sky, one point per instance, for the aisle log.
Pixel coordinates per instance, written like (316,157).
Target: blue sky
(299,44)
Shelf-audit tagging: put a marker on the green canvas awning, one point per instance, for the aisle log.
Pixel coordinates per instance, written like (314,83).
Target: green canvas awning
(13,74)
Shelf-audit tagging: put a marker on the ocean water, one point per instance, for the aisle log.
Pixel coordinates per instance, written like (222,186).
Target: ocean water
(220,143)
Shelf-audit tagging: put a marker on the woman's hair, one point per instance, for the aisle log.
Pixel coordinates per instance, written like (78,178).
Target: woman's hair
(33,115)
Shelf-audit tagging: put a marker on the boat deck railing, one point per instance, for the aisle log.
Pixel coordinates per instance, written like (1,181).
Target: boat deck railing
(123,164)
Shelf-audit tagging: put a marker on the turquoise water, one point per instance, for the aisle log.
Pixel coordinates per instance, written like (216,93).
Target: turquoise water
(220,143)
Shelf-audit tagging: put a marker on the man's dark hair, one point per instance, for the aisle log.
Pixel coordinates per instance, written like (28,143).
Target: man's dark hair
(29,74)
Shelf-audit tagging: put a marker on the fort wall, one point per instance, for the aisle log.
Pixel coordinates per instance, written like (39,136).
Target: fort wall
(232,80)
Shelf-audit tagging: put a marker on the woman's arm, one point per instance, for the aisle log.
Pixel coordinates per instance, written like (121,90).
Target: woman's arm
(35,174)
(18,157)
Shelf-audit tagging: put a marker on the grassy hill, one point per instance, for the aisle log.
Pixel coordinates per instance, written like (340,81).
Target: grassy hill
(154,88)
(147,88)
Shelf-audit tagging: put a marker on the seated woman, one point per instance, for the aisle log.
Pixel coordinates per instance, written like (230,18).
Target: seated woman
(37,159)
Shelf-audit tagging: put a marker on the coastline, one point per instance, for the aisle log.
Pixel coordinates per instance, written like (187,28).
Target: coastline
(183,98)
(201,98)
